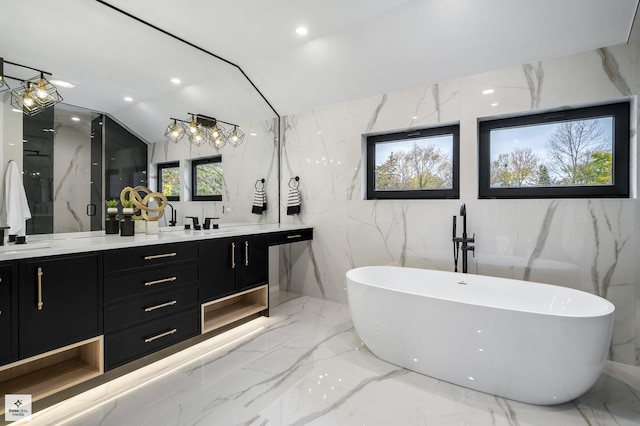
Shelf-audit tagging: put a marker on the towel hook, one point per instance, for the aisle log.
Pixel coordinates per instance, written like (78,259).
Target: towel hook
(296,182)
(259,181)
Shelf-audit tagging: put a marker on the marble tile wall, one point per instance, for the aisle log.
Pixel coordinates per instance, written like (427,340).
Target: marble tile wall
(71,178)
(256,158)
(588,244)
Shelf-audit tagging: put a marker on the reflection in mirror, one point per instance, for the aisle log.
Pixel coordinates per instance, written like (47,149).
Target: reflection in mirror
(62,158)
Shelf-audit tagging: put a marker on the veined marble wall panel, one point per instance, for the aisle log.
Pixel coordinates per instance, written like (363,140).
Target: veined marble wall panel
(586,244)
(256,158)
(72,179)
(637,221)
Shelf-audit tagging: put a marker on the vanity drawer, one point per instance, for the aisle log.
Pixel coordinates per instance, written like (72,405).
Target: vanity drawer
(135,342)
(150,280)
(147,256)
(286,237)
(150,307)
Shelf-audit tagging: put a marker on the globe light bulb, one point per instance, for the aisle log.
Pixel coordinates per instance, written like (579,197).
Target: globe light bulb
(193,127)
(41,91)
(28,98)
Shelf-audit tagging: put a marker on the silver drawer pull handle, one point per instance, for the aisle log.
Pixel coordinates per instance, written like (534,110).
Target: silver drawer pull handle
(159,336)
(246,253)
(40,301)
(233,255)
(163,305)
(164,280)
(289,237)
(160,256)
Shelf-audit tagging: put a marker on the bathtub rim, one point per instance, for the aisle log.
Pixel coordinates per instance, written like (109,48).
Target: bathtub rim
(610,307)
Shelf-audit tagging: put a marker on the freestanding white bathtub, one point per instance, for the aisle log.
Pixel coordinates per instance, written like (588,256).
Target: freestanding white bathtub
(530,342)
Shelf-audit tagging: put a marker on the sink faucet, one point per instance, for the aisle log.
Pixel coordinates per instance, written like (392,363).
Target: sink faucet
(462,243)
(174,216)
(208,223)
(196,222)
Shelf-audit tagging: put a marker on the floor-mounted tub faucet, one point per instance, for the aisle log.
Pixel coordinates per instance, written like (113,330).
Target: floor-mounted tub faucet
(462,243)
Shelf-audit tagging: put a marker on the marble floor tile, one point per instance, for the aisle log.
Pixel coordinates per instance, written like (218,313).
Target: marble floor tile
(305,365)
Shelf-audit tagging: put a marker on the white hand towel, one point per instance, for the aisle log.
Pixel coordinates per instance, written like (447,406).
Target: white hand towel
(16,209)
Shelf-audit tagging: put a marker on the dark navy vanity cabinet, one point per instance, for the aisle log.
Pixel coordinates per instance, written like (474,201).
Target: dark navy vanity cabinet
(151,299)
(66,319)
(230,265)
(60,302)
(9,341)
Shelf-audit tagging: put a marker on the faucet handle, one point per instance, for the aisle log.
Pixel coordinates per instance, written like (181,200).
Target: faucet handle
(196,224)
(473,248)
(208,222)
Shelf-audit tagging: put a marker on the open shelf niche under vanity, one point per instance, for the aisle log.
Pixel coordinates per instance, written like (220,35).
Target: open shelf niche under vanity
(227,310)
(45,374)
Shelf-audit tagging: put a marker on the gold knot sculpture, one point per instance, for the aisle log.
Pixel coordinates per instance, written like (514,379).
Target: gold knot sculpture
(140,204)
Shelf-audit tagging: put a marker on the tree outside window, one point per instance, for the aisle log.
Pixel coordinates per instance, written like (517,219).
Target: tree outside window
(568,153)
(418,164)
(582,152)
(207,179)
(169,180)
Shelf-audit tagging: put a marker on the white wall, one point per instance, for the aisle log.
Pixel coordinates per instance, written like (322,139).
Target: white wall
(588,244)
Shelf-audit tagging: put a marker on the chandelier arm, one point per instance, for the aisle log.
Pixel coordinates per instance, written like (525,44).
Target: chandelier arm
(24,66)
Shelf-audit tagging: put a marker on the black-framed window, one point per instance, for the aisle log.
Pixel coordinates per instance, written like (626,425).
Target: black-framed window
(169,180)
(416,164)
(570,153)
(206,179)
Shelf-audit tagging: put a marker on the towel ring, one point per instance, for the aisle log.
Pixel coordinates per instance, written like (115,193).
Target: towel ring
(259,181)
(296,182)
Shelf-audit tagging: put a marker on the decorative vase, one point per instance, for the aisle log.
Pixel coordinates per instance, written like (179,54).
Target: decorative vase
(111,223)
(126,224)
(152,227)
(140,225)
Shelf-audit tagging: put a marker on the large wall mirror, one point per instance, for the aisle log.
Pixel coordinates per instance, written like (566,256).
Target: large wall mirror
(72,160)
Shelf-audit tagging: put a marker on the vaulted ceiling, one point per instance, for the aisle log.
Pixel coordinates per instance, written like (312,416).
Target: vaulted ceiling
(353,49)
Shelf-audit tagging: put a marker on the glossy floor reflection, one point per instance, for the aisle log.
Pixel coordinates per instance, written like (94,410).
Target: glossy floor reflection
(306,365)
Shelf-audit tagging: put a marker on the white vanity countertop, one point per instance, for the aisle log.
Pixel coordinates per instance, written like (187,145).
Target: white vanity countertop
(80,242)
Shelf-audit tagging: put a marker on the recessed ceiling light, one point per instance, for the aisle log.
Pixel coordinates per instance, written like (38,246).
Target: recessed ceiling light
(415,117)
(128,99)
(65,84)
(494,104)
(75,118)
(175,80)
(253,134)
(301,31)
(487,91)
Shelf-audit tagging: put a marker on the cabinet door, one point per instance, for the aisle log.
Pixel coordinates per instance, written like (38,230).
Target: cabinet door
(253,267)
(7,336)
(59,302)
(219,259)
